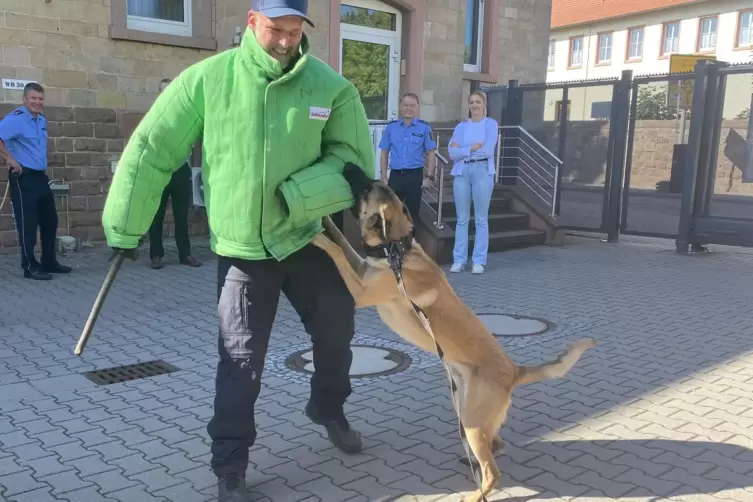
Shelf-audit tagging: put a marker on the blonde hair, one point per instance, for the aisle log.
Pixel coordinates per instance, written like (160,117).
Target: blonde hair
(482,96)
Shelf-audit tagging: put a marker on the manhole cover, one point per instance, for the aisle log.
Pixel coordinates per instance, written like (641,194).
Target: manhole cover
(368,361)
(131,372)
(514,325)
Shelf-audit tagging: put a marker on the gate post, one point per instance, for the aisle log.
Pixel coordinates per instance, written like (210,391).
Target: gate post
(618,131)
(562,146)
(697,153)
(513,117)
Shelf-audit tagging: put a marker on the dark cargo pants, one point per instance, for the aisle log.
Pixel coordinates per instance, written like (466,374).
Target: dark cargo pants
(248,294)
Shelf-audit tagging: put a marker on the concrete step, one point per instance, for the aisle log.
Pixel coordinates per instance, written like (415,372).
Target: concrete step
(513,239)
(498,222)
(500,203)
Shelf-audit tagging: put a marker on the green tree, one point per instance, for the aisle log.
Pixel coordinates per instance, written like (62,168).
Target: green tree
(744,114)
(652,104)
(366,65)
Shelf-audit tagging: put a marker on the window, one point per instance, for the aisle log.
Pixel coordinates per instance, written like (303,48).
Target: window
(601,110)
(576,51)
(635,44)
(707,34)
(604,54)
(558,110)
(550,59)
(671,43)
(171,17)
(474,30)
(369,18)
(745,29)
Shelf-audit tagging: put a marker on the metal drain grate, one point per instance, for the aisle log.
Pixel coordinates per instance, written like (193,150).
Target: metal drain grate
(130,372)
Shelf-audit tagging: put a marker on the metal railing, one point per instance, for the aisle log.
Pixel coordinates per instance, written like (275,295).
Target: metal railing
(535,165)
(440,163)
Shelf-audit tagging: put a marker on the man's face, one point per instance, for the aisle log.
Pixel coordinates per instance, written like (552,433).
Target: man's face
(34,101)
(408,107)
(280,37)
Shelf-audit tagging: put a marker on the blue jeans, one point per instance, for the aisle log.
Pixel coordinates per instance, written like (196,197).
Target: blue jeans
(474,184)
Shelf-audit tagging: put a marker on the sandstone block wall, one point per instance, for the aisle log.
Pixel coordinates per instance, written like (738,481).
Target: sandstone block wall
(64,45)
(586,153)
(82,143)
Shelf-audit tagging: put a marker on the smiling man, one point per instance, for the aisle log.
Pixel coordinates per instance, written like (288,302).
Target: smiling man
(23,145)
(278,126)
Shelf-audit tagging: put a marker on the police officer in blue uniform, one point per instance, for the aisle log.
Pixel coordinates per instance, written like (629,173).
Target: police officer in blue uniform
(404,144)
(23,145)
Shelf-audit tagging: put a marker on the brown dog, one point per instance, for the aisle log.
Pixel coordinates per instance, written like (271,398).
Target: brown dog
(485,375)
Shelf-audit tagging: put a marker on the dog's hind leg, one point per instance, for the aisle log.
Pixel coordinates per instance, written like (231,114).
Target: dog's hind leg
(481,445)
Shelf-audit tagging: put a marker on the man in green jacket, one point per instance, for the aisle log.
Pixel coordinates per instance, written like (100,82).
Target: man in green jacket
(278,126)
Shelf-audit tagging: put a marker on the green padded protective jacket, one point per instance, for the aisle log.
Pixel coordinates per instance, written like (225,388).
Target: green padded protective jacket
(274,147)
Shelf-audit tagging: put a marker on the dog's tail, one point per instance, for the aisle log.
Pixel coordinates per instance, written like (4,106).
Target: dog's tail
(557,368)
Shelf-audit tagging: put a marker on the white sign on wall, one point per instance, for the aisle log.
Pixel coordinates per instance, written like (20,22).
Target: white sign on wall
(13,84)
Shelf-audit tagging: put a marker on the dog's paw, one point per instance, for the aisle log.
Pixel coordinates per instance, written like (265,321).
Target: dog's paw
(584,344)
(321,241)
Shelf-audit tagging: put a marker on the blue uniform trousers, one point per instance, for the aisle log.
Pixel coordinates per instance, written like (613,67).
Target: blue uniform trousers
(34,206)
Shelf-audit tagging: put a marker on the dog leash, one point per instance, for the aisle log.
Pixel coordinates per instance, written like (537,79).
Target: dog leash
(395,259)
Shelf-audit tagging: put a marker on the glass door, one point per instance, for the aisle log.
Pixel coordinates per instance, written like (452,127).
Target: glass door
(367,61)
(370,34)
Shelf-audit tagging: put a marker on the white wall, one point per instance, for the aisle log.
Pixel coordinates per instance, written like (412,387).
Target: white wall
(651,63)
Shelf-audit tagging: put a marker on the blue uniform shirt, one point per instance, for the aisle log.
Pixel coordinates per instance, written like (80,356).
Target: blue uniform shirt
(25,137)
(407,143)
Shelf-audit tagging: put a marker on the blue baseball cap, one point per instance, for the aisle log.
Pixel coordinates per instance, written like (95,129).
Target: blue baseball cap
(280,8)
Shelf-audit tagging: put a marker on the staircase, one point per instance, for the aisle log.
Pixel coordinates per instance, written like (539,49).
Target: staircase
(519,214)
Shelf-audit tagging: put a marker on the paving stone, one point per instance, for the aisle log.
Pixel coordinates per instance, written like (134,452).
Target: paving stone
(18,483)
(661,406)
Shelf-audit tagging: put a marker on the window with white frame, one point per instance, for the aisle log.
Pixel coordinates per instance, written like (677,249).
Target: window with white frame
(551,55)
(474,32)
(635,44)
(605,48)
(171,17)
(671,43)
(576,51)
(707,35)
(745,29)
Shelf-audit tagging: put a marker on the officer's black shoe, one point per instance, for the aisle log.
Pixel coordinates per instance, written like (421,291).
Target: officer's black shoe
(37,275)
(57,268)
(232,488)
(339,431)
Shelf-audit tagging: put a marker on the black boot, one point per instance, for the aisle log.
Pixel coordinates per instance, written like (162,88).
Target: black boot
(339,431)
(232,488)
(56,268)
(37,275)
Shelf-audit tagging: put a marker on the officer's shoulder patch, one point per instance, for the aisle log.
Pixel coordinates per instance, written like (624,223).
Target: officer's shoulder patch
(17,112)
(424,122)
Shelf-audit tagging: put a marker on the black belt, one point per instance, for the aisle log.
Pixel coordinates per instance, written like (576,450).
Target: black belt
(409,170)
(473,161)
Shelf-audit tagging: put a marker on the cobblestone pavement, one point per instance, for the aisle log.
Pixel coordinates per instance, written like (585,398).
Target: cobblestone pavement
(661,409)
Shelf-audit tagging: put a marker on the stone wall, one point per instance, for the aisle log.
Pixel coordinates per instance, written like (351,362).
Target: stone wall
(586,154)
(82,143)
(64,45)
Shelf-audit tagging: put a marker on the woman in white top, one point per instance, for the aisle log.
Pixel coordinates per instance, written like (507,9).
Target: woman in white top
(472,147)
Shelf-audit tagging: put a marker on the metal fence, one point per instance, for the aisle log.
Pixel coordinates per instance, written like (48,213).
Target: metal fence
(623,146)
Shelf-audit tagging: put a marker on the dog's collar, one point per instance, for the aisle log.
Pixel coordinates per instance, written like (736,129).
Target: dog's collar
(393,251)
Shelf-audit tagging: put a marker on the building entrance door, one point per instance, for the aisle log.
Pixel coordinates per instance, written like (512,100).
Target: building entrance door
(370,34)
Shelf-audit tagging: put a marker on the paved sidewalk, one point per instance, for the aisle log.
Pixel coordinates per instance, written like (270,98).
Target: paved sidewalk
(661,409)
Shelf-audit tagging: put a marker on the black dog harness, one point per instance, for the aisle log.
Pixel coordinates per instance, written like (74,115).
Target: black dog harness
(394,251)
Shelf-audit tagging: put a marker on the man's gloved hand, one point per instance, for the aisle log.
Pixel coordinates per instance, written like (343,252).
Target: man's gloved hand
(132,254)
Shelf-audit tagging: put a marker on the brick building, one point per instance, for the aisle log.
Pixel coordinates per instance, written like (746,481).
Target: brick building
(101,61)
